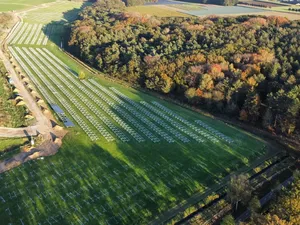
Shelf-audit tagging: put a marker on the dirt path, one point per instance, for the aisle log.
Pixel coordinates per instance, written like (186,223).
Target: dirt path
(18,132)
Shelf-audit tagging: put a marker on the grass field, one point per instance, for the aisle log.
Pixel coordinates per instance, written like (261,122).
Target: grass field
(116,182)
(223,10)
(110,183)
(7,5)
(8,143)
(64,11)
(156,11)
(187,6)
(10,147)
(286,9)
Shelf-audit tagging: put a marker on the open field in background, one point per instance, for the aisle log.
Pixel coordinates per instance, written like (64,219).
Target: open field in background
(261,3)
(286,8)
(64,11)
(9,5)
(156,10)
(187,6)
(168,8)
(207,10)
(272,6)
(290,16)
(223,10)
(165,2)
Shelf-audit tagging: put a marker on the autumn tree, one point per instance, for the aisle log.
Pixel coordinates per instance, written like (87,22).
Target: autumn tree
(287,207)
(251,107)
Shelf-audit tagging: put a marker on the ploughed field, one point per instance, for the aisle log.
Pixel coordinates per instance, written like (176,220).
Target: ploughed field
(129,158)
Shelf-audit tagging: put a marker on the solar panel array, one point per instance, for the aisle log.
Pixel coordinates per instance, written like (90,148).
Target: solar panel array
(105,111)
(30,34)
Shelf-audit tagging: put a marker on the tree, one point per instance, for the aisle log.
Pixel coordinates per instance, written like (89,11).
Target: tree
(134,2)
(268,119)
(255,205)
(190,93)
(109,5)
(228,220)
(81,75)
(287,207)
(251,107)
(239,189)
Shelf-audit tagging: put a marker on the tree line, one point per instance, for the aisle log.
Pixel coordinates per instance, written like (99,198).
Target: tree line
(245,67)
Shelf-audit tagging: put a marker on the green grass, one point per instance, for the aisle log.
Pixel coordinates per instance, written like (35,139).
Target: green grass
(115,170)
(11,142)
(9,5)
(156,11)
(286,8)
(65,11)
(10,147)
(187,7)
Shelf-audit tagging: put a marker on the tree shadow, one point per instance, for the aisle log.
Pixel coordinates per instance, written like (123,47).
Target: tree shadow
(60,30)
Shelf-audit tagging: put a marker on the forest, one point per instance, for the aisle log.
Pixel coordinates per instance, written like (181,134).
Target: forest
(245,67)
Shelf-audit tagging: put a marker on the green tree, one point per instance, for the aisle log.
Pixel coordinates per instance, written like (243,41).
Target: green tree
(81,75)
(255,205)
(239,190)
(109,5)
(228,220)
(252,106)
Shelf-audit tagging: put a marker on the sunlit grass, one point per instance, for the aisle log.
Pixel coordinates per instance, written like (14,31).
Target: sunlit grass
(11,142)
(9,5)
(156,11)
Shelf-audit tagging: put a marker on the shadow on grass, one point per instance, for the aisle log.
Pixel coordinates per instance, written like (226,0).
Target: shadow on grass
(100,183)
(58,31)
